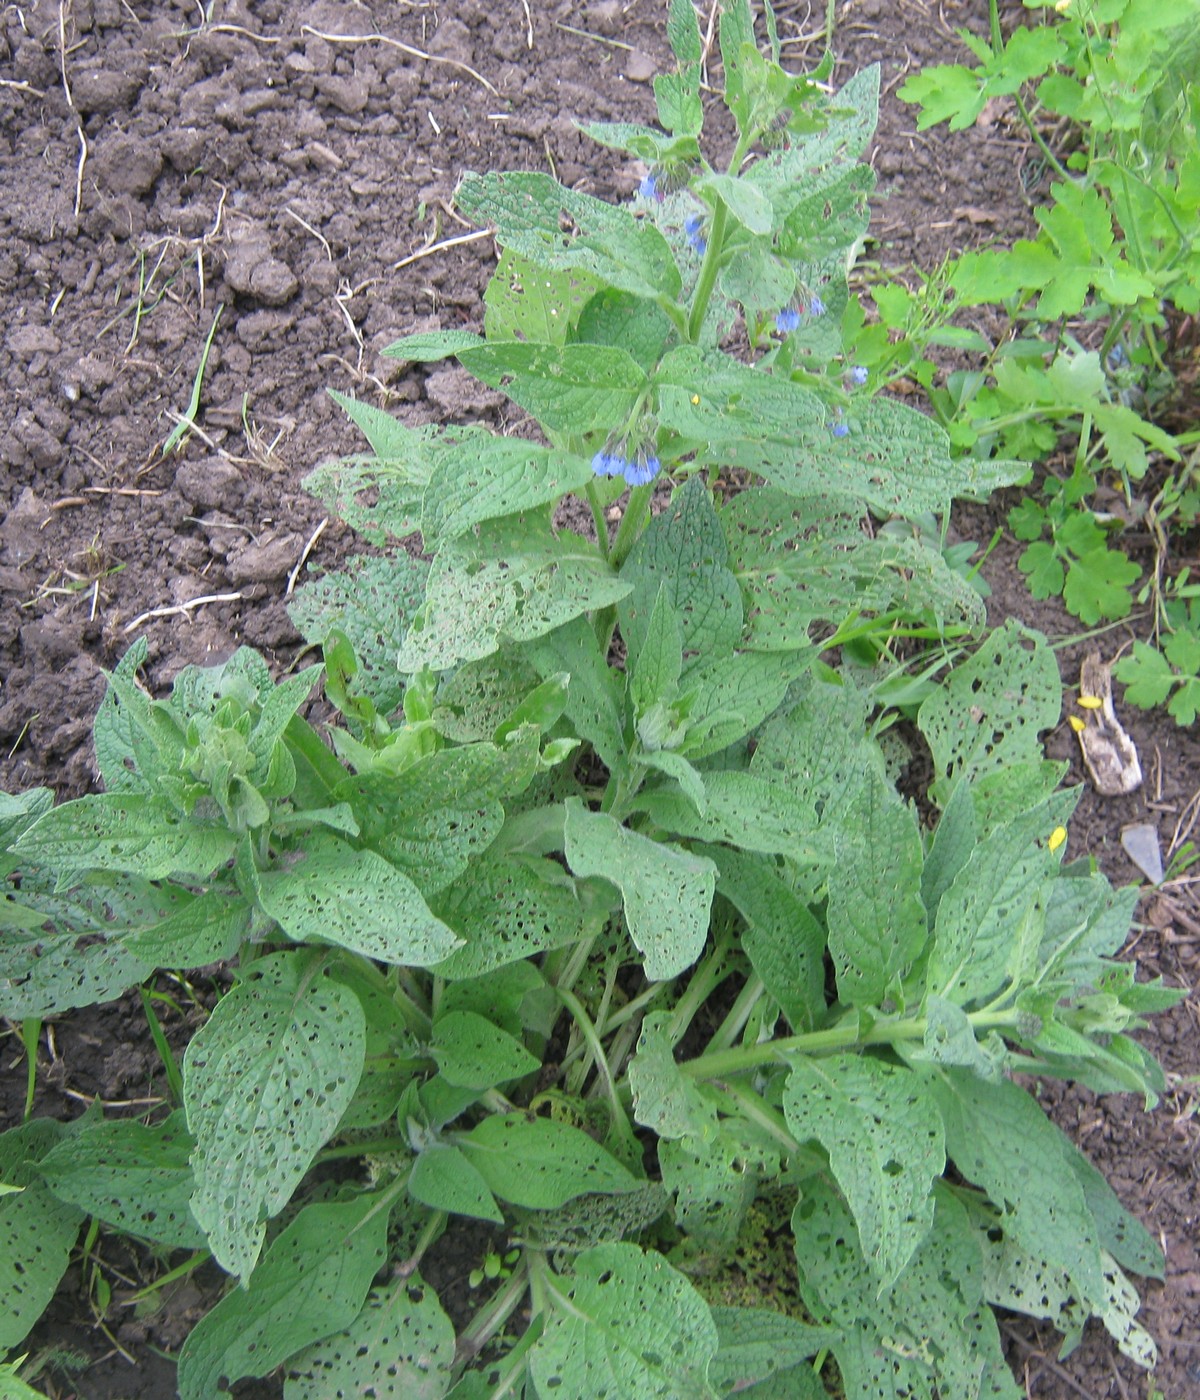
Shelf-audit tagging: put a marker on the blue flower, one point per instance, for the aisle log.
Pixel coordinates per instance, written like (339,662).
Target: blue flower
(649,189)
(860,374)
(787,320)
(817,306)
(840,430)
(692,226)
(642,470)
(606,463)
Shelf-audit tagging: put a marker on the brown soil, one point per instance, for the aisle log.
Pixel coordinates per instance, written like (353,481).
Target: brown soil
(163,160)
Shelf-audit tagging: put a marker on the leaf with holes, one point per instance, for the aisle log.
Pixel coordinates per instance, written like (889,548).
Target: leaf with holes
(134,1178)
(540,1163)
(991,918)
(930,1329)
(400,1347)
(129,832)
(611,246)
(667,891)
(715,1180)
(444,1178)
(356,899)
(37,1230)
(372,601)
(473,1053)
(266,1081)
(505,476)
(884,1138)
(989,712)
(627,1324)
(311,1283)
(510,583)
(526,302)
(664,1098)
(1000,1139)
(509,909)
(877,923)
(767,1355)
(809,562)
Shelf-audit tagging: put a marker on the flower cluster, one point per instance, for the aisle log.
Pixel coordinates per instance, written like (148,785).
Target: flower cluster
(859,374)
(788,319)
(638,470)
(650,189)
(692,226)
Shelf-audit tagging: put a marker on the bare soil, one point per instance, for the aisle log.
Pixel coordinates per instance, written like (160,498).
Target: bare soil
(292,164)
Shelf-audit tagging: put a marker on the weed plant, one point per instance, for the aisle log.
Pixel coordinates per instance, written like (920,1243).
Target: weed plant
(600,924)
(1094,304)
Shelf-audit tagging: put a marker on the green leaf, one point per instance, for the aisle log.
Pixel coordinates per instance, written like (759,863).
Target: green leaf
(683,553)
(311,1284)
(134,1178)
(472,1053)
(512,585)
(678,104)
(877,922)
(664,1098)
(37,1230)
(1146,675)
(509,909)
(1098,585)
(1000,1139)
(1043,569)
(568,388)
(767,1355)
(656,666)
(372,601)
(628,1324)
(746,811)
(611,246)
(444,1178)
(124,734)
(399,1347)
(783,940)
(595,697)
(801,562)
(266,1080)
(432,345)
(930,1334)
(884,1138)
(634,324)
(954,839)
(667,890)
(357,900)
(76,955)
(540,1163)
(749,206)
(945,92)
(118,831)
(526,302)
(989,712)
(726,697)
(990,919)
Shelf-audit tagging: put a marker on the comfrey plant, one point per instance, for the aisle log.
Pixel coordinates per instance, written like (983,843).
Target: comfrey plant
(603,927)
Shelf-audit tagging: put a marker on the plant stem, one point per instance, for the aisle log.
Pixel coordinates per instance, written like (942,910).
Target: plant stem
(491,1317)
(708,271)
(704,981)
(430,1232)
(637,511)
(846,1036)
(601,525)
(739,1013)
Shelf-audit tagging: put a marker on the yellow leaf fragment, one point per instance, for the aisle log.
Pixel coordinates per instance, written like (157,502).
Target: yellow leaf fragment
(1090,702)
(1076,723)
(1057,837)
